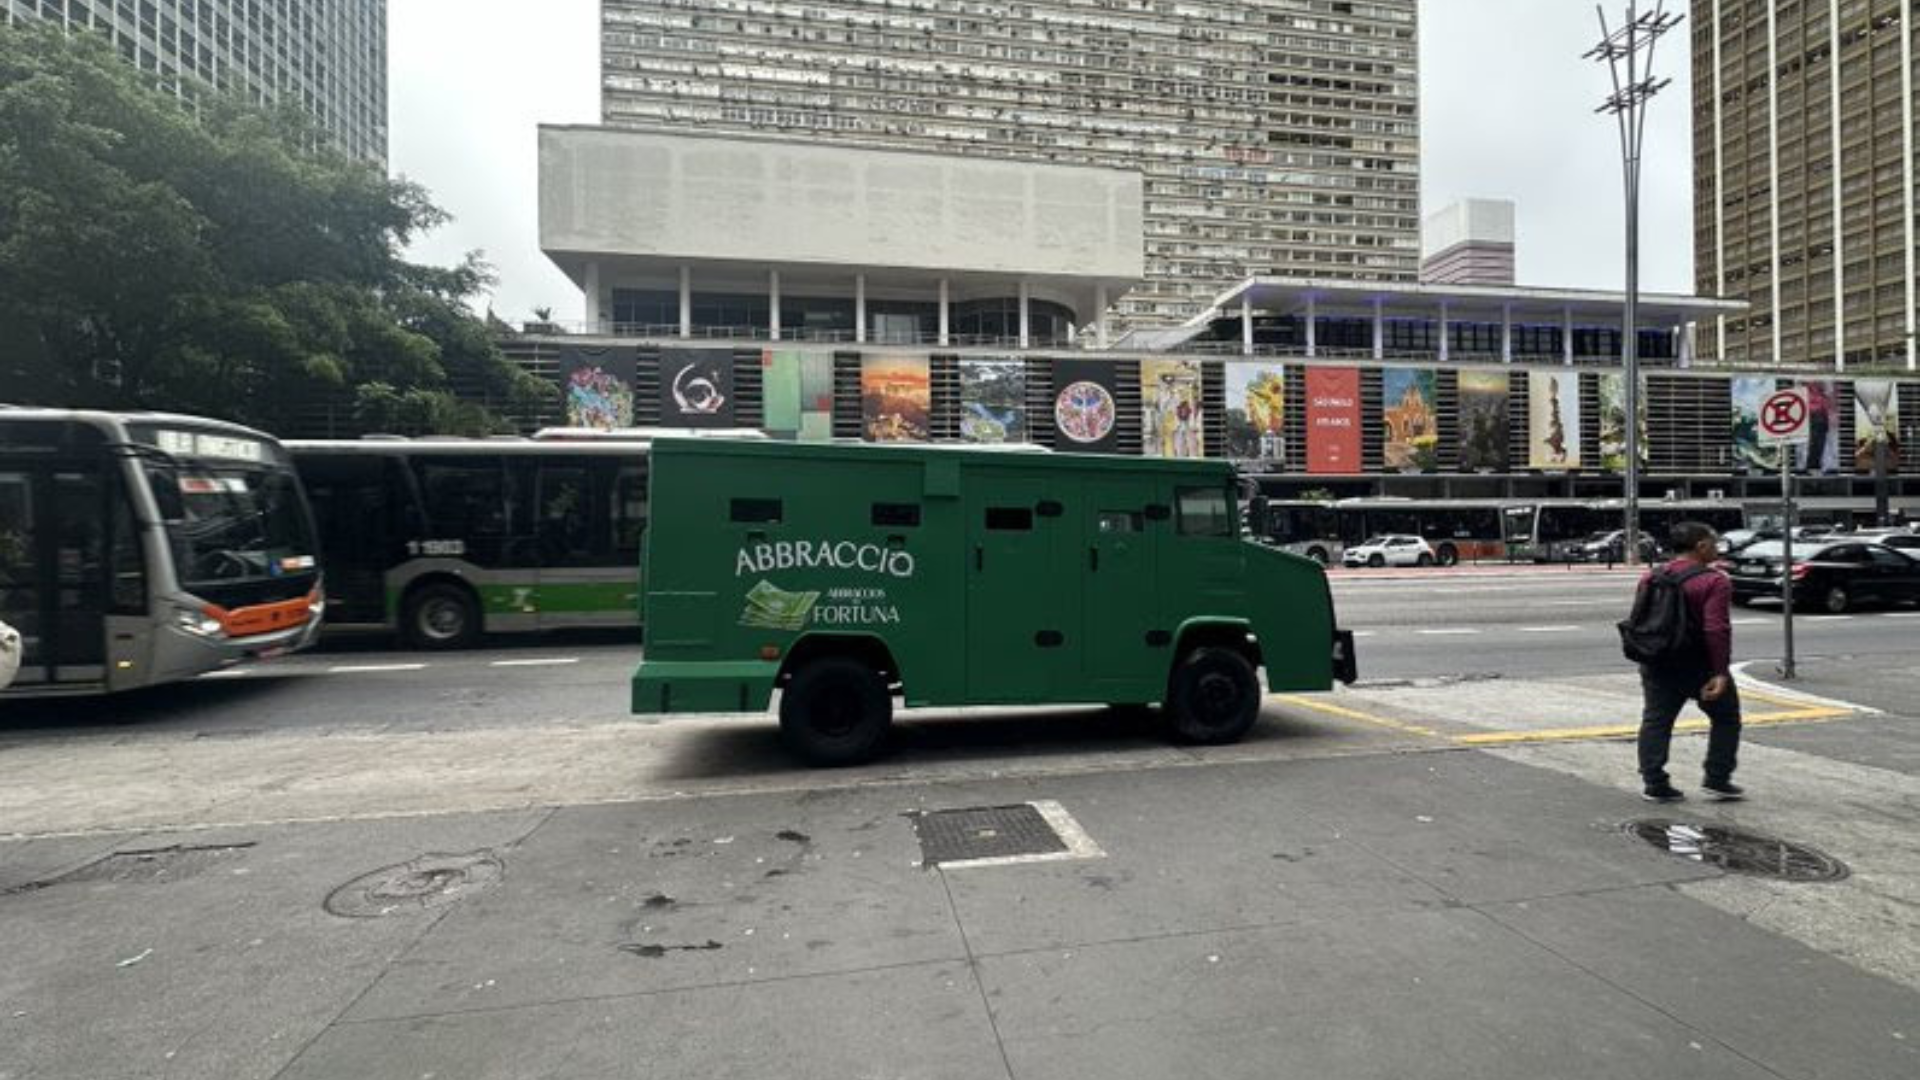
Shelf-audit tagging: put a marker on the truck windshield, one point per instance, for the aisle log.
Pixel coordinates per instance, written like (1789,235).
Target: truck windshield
(233,523)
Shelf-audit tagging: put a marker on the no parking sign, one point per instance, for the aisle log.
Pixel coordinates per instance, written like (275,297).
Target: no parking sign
(1785,418)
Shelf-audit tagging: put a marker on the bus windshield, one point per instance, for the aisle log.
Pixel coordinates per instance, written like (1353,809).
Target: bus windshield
(230,523)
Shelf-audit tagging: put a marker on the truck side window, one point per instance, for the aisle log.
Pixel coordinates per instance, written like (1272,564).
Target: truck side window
(1010,519)
(757,511)
(896,515)
(1203,512)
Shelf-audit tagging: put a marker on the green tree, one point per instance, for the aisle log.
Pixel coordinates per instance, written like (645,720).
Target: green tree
(223,263)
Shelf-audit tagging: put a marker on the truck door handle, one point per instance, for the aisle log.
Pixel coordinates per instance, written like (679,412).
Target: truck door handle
(1093,558)
(979,557)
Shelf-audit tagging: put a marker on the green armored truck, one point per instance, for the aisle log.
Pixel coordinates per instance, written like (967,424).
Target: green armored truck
(846,575)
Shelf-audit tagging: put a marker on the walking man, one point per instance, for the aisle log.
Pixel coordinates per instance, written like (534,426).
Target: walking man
(1684,653)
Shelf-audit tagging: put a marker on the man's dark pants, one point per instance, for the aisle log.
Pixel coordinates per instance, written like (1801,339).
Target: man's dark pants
(1665,692)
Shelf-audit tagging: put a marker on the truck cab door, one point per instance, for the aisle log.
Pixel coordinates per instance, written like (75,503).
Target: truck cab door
(1126,649)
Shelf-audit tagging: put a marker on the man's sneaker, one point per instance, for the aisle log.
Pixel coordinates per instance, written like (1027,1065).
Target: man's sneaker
(1724,790)
(1663,793)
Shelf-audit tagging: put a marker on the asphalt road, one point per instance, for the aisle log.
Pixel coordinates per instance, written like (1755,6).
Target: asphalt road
(1408,626)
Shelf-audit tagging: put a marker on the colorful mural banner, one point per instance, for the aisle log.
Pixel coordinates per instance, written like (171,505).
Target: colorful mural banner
(1821,454)
(1749,394)
(796,395)
(1170,410)
(1485,426)
(1876,421)
(993,400)
(1333,421)
(896,397)
(1086,412)
(1553,420)
(1613,421)
(1410,413)
(696,388)
(1256,412)
(599,386)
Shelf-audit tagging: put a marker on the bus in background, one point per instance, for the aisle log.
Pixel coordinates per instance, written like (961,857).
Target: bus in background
(1304,527)
(143,548)
(1458,530)
(1547,530)
(446,539)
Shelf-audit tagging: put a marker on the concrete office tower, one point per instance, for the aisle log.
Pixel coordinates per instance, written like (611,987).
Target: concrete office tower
(1830,280)
(1275,136)
(327,56)
(1469,242)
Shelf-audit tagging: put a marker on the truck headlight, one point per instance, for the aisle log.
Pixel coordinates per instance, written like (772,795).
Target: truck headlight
(197,623)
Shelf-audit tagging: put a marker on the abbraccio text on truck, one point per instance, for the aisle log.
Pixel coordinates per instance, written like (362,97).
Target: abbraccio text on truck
(846,576)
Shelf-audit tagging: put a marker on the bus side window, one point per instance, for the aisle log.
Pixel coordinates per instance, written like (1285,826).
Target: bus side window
(629,511)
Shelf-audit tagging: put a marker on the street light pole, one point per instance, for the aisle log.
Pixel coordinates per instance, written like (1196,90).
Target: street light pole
(1628,52)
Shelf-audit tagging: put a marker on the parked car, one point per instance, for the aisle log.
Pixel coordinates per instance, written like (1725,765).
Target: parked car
(1834,577)
(1607,547)
(1738,540)
(1395,550)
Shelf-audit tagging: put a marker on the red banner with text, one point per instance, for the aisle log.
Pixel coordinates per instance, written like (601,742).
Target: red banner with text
(1333,421)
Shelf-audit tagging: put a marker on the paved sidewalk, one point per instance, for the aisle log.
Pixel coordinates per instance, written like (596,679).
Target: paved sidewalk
(1387,914)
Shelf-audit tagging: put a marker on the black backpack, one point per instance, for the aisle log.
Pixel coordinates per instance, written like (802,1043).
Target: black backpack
(1660,630)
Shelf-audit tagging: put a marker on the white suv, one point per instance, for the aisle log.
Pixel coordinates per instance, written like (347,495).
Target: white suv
(1395,550)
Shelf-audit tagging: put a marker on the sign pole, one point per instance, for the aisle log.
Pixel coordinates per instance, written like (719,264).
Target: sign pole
(1786,573)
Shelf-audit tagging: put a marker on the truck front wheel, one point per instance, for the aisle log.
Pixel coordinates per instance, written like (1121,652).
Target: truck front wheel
(835,711)
(1214,697)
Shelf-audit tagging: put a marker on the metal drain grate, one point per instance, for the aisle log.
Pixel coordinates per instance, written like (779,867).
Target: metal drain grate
(429,881)
(1001,835)
(1738,851)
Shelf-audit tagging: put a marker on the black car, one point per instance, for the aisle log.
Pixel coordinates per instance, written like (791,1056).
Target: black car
(1831,576)
(1607,547)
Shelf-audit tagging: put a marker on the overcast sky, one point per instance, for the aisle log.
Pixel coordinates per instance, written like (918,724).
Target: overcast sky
(1507,112)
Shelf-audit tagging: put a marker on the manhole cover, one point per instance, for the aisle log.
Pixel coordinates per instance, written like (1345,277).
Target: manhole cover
(1000,835)
(1738,851)
(429,881)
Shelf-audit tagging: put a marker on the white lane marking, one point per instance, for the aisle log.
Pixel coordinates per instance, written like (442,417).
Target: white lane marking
(1363,633)
(1580,603)
(365,669)
(1827,618)
(229,673)
(1548,629)
(553,661)
(1449,630)
(1903,614)
(1749,622)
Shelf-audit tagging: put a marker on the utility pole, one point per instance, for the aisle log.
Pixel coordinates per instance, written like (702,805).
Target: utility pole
(1628,52)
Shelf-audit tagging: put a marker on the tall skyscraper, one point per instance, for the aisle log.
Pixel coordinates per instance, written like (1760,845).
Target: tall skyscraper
(327,56)
(1804,178)
(1469,242)
(1275,136)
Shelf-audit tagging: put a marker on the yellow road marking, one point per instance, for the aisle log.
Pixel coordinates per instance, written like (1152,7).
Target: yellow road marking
(1798,713)
(1355,714)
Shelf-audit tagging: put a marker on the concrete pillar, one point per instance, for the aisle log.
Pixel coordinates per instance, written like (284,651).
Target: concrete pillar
(1687,333)
(1246,324)
(686,301)
(1313,327)
(944,308)
(1100,318)
(592,289)
(1379,328)
(860,308)
(1506,333)
(1026,317)
(1566,335)
(773,305)
(1445,350)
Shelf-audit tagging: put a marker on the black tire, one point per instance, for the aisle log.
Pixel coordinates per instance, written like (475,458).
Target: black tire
(441,617)
(1449,555)
(1376,561)
(1213,698)
(1424,560)
(1318,555)
(1836,600)
(835,712)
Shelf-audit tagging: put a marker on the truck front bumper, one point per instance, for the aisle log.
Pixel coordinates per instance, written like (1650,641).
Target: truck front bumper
(695,686)
(1346,664)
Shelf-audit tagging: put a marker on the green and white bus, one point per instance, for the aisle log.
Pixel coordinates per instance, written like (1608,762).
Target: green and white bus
(444,539)
(143,548)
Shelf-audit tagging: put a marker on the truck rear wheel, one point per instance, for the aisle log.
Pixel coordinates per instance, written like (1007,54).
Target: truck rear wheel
(1214,697)
(835,711)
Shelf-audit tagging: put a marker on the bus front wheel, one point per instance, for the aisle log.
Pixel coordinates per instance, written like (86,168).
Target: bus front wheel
(1318,554)
(836,711)
(441,616)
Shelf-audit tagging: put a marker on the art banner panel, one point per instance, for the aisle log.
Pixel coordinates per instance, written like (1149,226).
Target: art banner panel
(1613,421)
(1256,413)
(696,388)
(1333,420)
(599,386)
(796,392)
(1085,409)
(1410,411)
(993,400)
(1876,420)
(1748,395)
(896,397)
(1484,424)
(1170,409)
(1821,454)
(1553,420)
